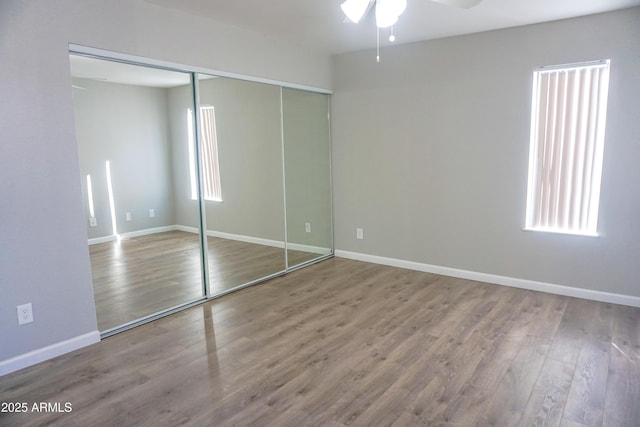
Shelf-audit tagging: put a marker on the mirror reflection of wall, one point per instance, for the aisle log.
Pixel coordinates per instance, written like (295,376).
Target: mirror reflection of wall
(307,170)
(149,155)
(245,227)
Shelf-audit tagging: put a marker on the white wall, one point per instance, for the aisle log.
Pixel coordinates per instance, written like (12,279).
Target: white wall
(431,153)
(43,240)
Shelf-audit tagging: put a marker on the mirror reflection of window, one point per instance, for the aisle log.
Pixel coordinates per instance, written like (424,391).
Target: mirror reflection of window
(153,246)
(210,169)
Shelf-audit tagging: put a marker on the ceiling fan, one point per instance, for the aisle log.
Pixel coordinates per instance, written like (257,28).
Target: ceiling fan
(388,11)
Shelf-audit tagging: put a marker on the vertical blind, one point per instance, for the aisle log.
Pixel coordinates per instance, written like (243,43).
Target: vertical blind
(210,170)
(567,144)
(209,165)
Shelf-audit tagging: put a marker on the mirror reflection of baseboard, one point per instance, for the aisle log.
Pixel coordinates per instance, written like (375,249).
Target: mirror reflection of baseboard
(147,159)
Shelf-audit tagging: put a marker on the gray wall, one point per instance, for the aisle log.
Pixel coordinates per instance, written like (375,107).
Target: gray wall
(127,125)
(43,239)
(431,153)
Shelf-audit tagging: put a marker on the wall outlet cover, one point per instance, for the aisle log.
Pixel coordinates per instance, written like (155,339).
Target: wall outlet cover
(25,314)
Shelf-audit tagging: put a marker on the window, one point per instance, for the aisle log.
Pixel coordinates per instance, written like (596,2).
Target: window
(568,115)
(210,170)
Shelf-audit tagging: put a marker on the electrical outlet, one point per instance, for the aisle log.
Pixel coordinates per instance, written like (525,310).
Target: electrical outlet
(359,234)
(152,213)
(93,222)
(128,215)
(307,227)
(25,314)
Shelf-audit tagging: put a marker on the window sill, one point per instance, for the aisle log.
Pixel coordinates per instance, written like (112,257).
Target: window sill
(558,231)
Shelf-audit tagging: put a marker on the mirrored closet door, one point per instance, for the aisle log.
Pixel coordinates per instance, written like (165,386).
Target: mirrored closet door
(307,157)
(195,185)
(244,207)
(145,257)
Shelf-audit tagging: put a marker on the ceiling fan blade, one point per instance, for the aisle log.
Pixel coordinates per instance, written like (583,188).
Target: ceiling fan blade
(463,4)
(355,10)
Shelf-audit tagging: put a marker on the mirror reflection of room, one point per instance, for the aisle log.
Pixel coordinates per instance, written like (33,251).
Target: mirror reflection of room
(240,133)
(306,142)
(141,262)
(155,173)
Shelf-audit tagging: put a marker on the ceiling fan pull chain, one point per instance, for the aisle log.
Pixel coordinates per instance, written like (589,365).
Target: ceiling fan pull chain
(378,44)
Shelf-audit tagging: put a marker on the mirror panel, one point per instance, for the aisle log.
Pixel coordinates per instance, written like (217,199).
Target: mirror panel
(161,177)
(307,158)
(142,262)
(245,229)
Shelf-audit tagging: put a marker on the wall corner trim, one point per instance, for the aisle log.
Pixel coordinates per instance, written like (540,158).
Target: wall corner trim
(513,282)
(49,352)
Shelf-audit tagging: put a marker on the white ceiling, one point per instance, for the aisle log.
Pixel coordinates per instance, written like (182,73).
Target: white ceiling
(321,23)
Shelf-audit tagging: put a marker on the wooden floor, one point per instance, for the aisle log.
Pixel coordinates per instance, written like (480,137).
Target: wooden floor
(349,343)
(144,275)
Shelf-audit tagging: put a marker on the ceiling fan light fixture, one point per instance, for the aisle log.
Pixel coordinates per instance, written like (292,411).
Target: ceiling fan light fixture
(355,9)
(388,11)
(385,13)
(398,6)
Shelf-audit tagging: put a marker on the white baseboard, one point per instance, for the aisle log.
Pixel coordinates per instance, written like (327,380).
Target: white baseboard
(186,229)
(256,240)
(308,248)
(105,239)
(231,236)
(49,352)
(513,282)
(246,239)
(147,231)
(213,233)
(131,234)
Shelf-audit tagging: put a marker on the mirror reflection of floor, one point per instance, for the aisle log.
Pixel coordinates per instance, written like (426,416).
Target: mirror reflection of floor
(143,275)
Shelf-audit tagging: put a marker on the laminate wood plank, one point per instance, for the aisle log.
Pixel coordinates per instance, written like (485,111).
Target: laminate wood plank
(622,402)
(622,407)
(585,402)
(567,340)
(472,398)
(448,374)
(509,399)
(347,343)
(294,417)
(549,395)
(548,312)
